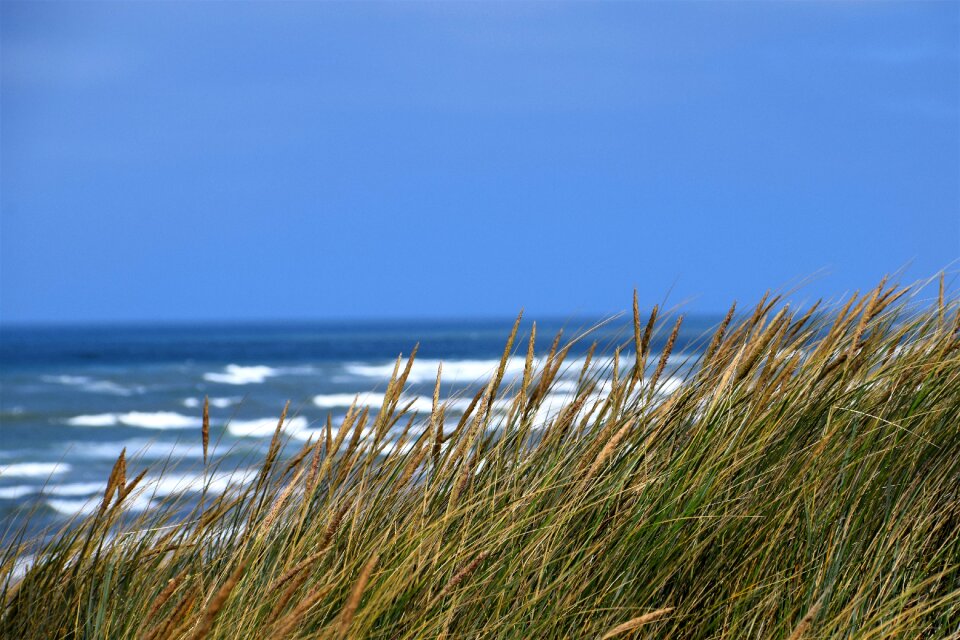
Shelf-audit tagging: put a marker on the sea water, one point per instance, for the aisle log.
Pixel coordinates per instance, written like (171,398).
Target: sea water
(71,398)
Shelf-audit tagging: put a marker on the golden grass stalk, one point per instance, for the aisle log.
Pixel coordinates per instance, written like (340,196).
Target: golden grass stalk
(802,322)
(588,359)
(274,448)
(298,568)
(219,599)
(350,608)
(205,428)
(412,465)
(637,338)
(165,594)
(607,451)
(305,450)
(719,334)
(296,580)
(941,309)
(546,376)
(281,500)
(648,334)
(163,629)
(130,486)
(436,418)
(465,572)
(311,480)
(528,362)
(865,318)
(807,619)
(295,618)
(636,623)
(759,310)
(502,367)
(665,355)
(115,481)
(757,346)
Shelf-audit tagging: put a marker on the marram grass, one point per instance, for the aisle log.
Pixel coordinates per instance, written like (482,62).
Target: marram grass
(802,482)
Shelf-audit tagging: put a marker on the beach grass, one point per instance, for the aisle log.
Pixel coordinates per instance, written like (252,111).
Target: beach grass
(801,480)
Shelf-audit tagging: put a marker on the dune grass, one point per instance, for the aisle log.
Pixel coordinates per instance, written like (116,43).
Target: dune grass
(802,482)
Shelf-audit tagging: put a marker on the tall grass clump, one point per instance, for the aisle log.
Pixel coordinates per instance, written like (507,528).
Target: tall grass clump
(801,480)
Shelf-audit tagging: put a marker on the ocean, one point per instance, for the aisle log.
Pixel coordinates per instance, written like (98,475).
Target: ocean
(71,398)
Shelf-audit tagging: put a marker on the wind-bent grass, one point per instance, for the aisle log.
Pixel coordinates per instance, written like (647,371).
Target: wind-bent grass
(803,481)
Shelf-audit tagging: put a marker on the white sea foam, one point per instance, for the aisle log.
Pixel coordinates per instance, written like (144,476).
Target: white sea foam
(73,489)
(265,426)
(317,434)
(83,506)
(140,448)
(170,484)
(219,403)
(33,469)
(564,385)
(88,505)
(95,420)
(669,385)
(392,448)
(239,375)
(68,380)
(84,498)
(373,400)
(142,419)
(306,434)
(424,371)
(21,566)
(18,491)
(173,483)
(334,400)
(92,385)
(418,404)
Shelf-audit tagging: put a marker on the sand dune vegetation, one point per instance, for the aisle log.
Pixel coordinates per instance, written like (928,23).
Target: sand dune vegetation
(801,481)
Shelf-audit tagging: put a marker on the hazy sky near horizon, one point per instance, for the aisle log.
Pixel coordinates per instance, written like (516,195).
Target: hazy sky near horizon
(238,161)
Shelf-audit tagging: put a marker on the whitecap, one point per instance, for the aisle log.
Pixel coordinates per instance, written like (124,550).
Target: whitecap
(142,419)
(393,448)
(564,385)
(16,492)
(334,400)
(72,507)
(173,484)
(21,566)
(265,426)
(169,484)
(238,375)
(317,434)
(106,386)
(219,403)
(669,385)
(372,400)
(158,420)
(140,448)
(95,420)
(67,380)
(34,469)
(75,489)
(424,371)
(93,386)
(461,403)
(87,506)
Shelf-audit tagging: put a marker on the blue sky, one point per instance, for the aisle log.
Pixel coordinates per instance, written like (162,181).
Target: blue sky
(196,161)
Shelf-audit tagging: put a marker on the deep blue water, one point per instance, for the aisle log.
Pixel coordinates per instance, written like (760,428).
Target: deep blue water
(71,398)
